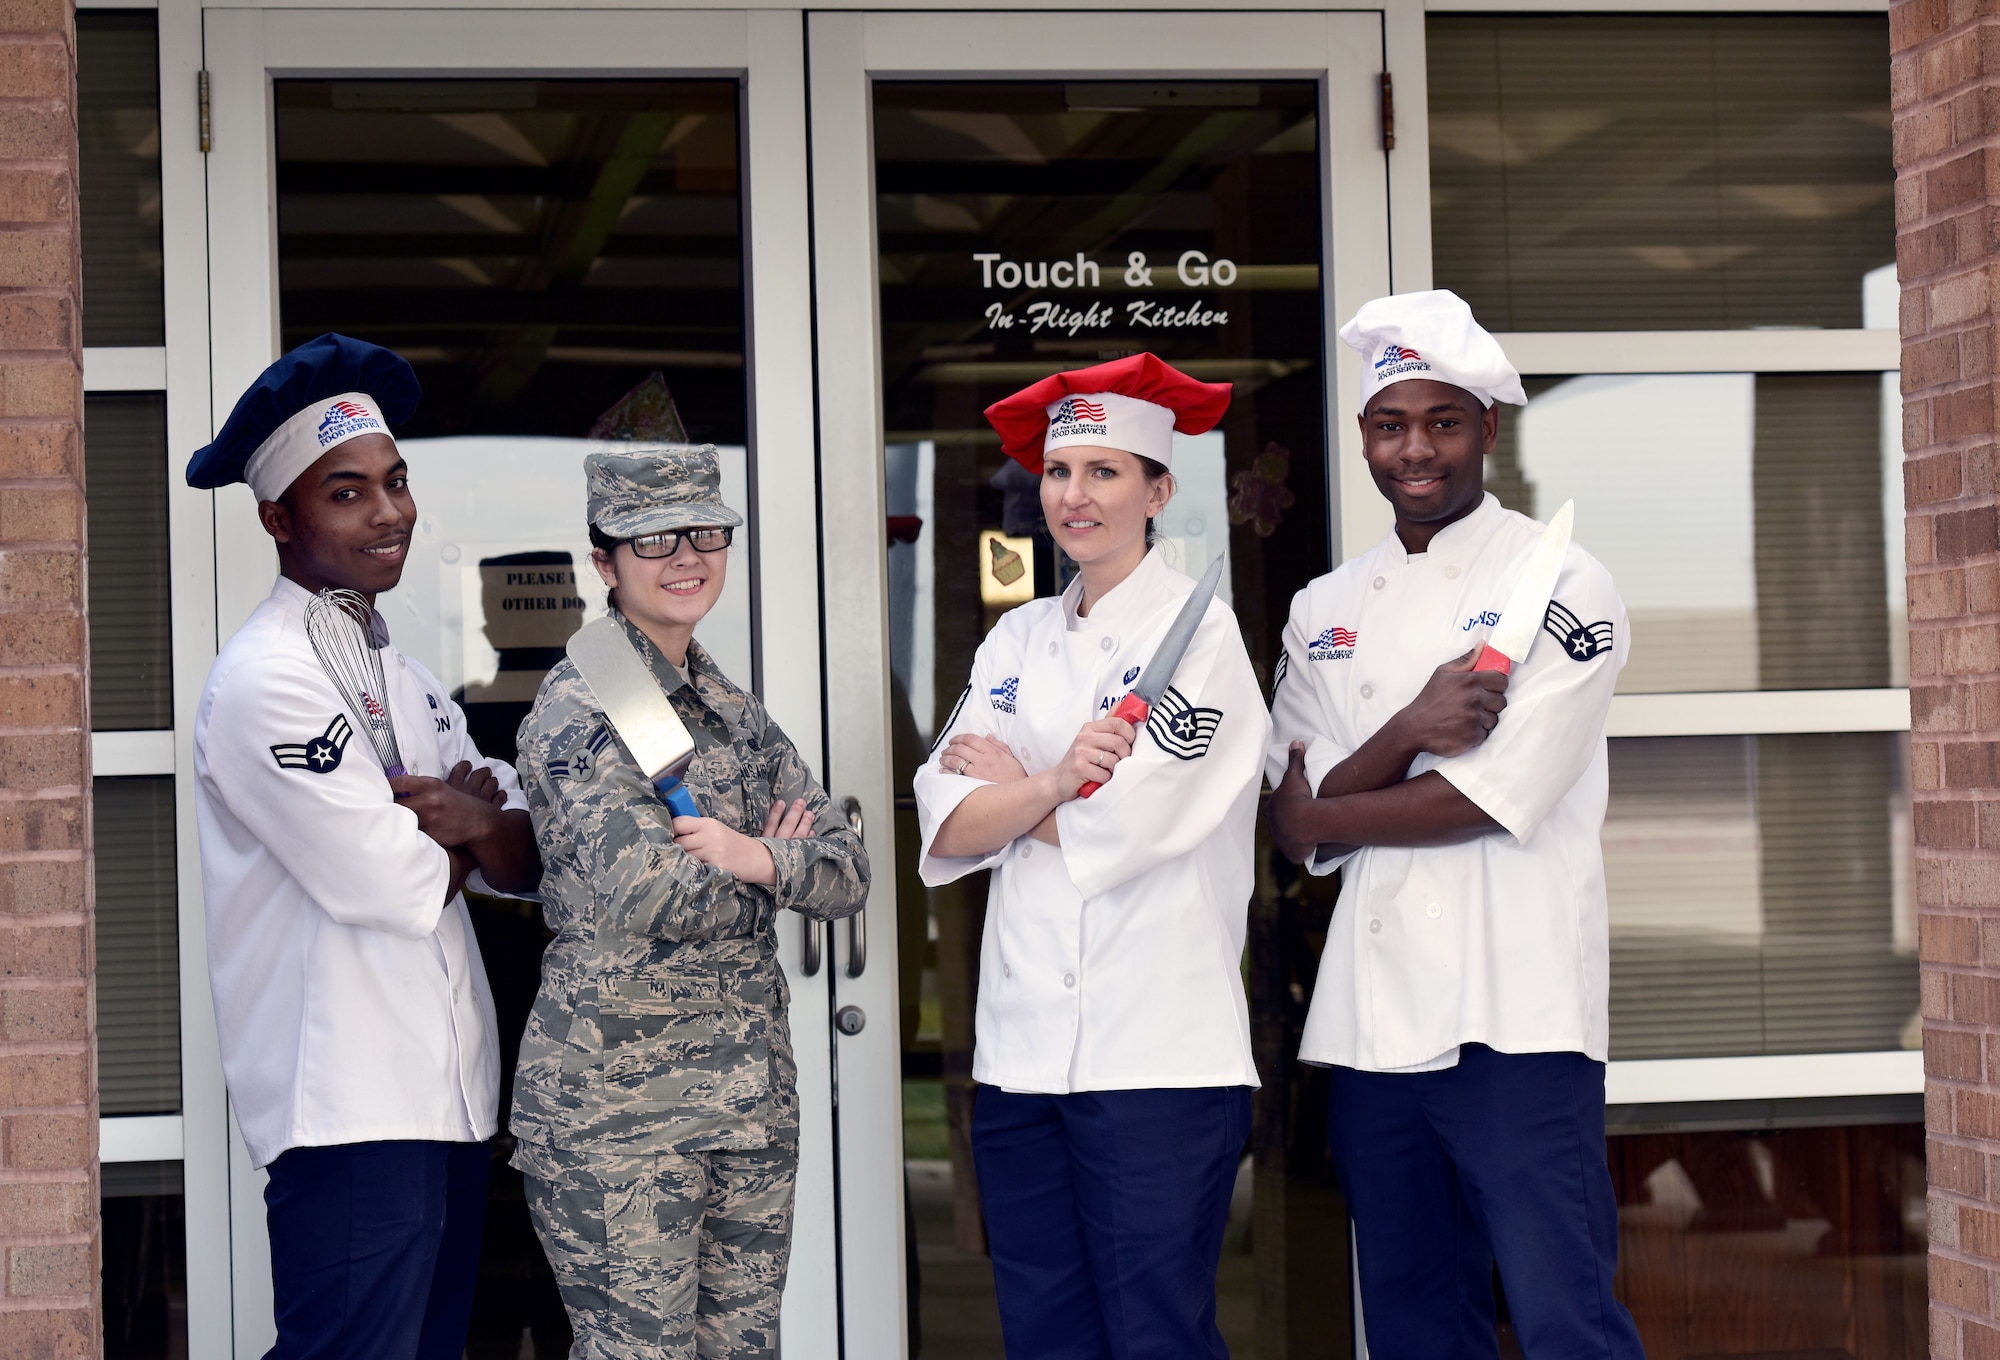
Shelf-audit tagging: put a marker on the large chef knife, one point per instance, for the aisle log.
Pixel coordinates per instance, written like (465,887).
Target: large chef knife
(637,707)
(1137,706)
(1522,616)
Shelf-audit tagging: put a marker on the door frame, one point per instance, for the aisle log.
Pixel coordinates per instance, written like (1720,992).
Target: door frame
(244,49)
(1343,53)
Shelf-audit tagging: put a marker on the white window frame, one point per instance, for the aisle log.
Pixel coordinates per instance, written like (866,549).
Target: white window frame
(1745,712)
(217,344)
(189,383)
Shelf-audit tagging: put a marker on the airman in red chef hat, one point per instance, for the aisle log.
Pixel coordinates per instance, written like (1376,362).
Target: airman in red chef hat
(1114,1066)
(1135,404)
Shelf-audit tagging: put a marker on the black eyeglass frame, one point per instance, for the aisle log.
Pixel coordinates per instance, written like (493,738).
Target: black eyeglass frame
(672,541)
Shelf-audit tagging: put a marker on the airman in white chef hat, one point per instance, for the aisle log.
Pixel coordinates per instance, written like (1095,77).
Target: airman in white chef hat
(1461,1003)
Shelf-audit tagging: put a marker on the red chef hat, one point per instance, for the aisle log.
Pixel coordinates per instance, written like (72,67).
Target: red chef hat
(1135,404)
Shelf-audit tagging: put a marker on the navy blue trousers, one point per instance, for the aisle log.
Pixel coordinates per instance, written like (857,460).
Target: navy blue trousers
(1104,1215)
(1500,1158)
(374,1249)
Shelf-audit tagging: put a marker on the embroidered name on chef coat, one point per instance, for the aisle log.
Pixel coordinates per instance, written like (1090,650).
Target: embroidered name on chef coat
(320,754)
(1581,641)
(1181,729)
(581,763)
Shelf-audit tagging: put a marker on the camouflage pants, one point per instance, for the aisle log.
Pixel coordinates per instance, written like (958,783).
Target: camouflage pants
(674,1257)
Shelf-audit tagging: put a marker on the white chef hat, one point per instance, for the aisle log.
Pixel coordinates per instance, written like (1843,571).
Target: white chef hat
(1430,335)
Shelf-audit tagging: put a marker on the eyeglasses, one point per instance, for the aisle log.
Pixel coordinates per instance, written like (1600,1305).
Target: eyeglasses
(666,545)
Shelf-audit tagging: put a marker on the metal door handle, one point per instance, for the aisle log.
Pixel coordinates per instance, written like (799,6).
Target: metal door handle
(809,966)
(857,924)
(857,943)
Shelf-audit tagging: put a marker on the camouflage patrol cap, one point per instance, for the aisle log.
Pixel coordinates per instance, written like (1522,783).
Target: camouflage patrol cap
(655,489)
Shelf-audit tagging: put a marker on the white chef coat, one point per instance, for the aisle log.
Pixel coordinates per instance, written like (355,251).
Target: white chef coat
(1113,961)
(1502,940)
(350,999)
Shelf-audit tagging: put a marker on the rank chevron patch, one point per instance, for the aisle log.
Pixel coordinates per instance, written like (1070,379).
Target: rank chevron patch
(1581,641)
(1278,676)
(1180,729)
(322,754)
(580,763)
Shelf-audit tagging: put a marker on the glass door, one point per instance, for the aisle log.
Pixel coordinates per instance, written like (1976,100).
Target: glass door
(998,198)
(548,216)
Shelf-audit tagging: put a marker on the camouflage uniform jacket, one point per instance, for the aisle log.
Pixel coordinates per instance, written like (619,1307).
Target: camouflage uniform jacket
(660,1024)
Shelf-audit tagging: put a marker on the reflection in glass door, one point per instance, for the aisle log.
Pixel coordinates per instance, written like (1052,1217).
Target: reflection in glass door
(1026,228)
(561,261)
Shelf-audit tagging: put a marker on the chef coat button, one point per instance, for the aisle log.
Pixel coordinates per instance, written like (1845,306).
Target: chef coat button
(1375,927)
(1451,573)
(1007,968)
(400,661)
(1434,911)
(1379,583)
(1052,649)
(1105,643)
(1069,979)
(1026,851)
(1368,691)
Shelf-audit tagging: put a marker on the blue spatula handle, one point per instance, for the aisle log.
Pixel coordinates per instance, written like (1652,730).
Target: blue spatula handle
(678,799)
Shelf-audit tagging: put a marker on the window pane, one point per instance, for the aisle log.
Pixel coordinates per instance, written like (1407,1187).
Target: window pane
(1800,1242)
(1752,522)
(118,141)
(1642,172)
(131,643)
(138,950)
(145,1261)
(1760,896)
(539,249)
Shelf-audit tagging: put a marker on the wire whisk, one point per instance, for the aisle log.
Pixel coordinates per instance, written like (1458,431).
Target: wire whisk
(341,627)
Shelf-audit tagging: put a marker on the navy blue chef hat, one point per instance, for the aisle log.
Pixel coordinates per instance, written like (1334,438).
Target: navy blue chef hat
(327,391)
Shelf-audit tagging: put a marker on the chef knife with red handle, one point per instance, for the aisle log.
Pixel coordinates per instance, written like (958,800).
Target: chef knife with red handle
(1521,617)
(1137,706)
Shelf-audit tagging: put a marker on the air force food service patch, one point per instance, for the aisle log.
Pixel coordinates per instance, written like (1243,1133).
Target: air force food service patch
(320,755)
(1180,729)
(1581,641)
(581,763)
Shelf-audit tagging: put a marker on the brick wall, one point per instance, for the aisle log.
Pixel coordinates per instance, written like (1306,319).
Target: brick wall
(1945,79)
(48,1095)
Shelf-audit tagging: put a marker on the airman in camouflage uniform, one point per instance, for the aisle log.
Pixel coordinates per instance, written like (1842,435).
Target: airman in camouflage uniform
(656,1104)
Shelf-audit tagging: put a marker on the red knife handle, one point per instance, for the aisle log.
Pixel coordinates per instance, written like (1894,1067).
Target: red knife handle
(1490,660)
(1133,710)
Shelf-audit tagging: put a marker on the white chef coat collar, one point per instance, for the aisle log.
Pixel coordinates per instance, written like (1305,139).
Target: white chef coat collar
(1461,534)
(1131,597)
(294,597)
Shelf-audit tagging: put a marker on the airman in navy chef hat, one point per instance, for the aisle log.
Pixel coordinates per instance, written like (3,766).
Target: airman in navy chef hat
(357,1033)
(319,396)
